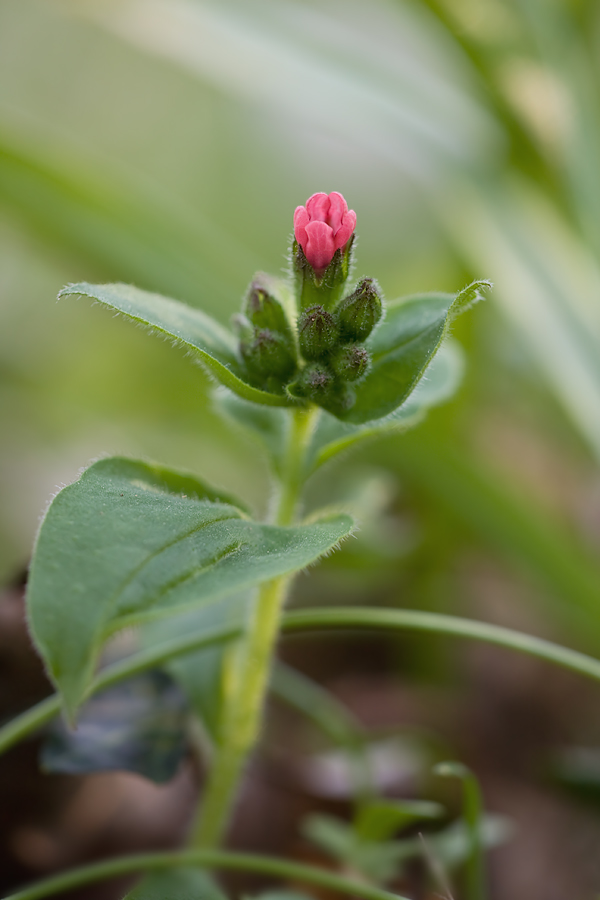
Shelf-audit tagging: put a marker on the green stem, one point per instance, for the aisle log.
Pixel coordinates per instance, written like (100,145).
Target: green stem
(241,721)
(302,424)
(242,716)
(146,862)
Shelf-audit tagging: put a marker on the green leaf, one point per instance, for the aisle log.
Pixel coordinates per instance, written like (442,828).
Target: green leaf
(129,542)
(438,384)
(473,816)
(402,348)
(268,426)
(200,674)
(177,884)
(137,726)
(379,820)
(214,346)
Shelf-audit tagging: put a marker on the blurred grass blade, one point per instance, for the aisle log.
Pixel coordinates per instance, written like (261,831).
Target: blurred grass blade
(484,503)
(546,283)
(120,224)
(473,816)
(411,105)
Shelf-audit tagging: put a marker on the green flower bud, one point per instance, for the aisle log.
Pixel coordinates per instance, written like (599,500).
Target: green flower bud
(317,332)
(351,362)
(267,355)
(315,382)
(360,312)
(265,311)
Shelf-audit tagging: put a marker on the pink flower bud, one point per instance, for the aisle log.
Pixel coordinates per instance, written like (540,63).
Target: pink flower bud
(323,226)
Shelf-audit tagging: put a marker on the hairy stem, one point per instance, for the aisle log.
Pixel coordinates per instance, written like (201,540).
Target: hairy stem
(242,717)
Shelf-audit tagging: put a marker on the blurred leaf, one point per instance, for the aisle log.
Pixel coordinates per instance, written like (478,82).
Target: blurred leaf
(281,894)
(578,769)
(382,861)
(333,835)
(213,345)
(266,425)
(177,884)
(137,726)
(381,819)
(329,715)
(402,348)
(128,542)
(201,674)
(269,427)
(475,877)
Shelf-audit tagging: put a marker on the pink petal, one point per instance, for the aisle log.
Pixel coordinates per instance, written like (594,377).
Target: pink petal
(337,209)
(317,207)
(320,248)
(301,220)
(345,230)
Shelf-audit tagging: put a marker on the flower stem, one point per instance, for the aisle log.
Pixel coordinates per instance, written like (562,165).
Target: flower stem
(242,717)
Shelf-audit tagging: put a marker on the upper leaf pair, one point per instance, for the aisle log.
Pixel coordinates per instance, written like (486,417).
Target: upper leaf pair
(400,349)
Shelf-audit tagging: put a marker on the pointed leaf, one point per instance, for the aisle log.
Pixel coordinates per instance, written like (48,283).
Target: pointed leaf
(130,541)
(438,384)
(402,348)
(214,346)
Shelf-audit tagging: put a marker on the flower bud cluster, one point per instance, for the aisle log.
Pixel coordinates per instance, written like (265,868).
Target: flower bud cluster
(324,355)
(332,344)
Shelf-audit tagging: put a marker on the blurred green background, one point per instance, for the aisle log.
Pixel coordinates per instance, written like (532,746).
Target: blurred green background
(167,143)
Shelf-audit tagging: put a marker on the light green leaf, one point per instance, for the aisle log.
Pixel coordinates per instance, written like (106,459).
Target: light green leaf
(200,674)
(129,542)
(379,820)
(403,347)
(177,884)
(268,426)
(213,345)
(475,878)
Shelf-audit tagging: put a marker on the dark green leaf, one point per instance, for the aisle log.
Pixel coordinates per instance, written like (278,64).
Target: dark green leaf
(137,726)
(214,346)
(402,348)
(129,542)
